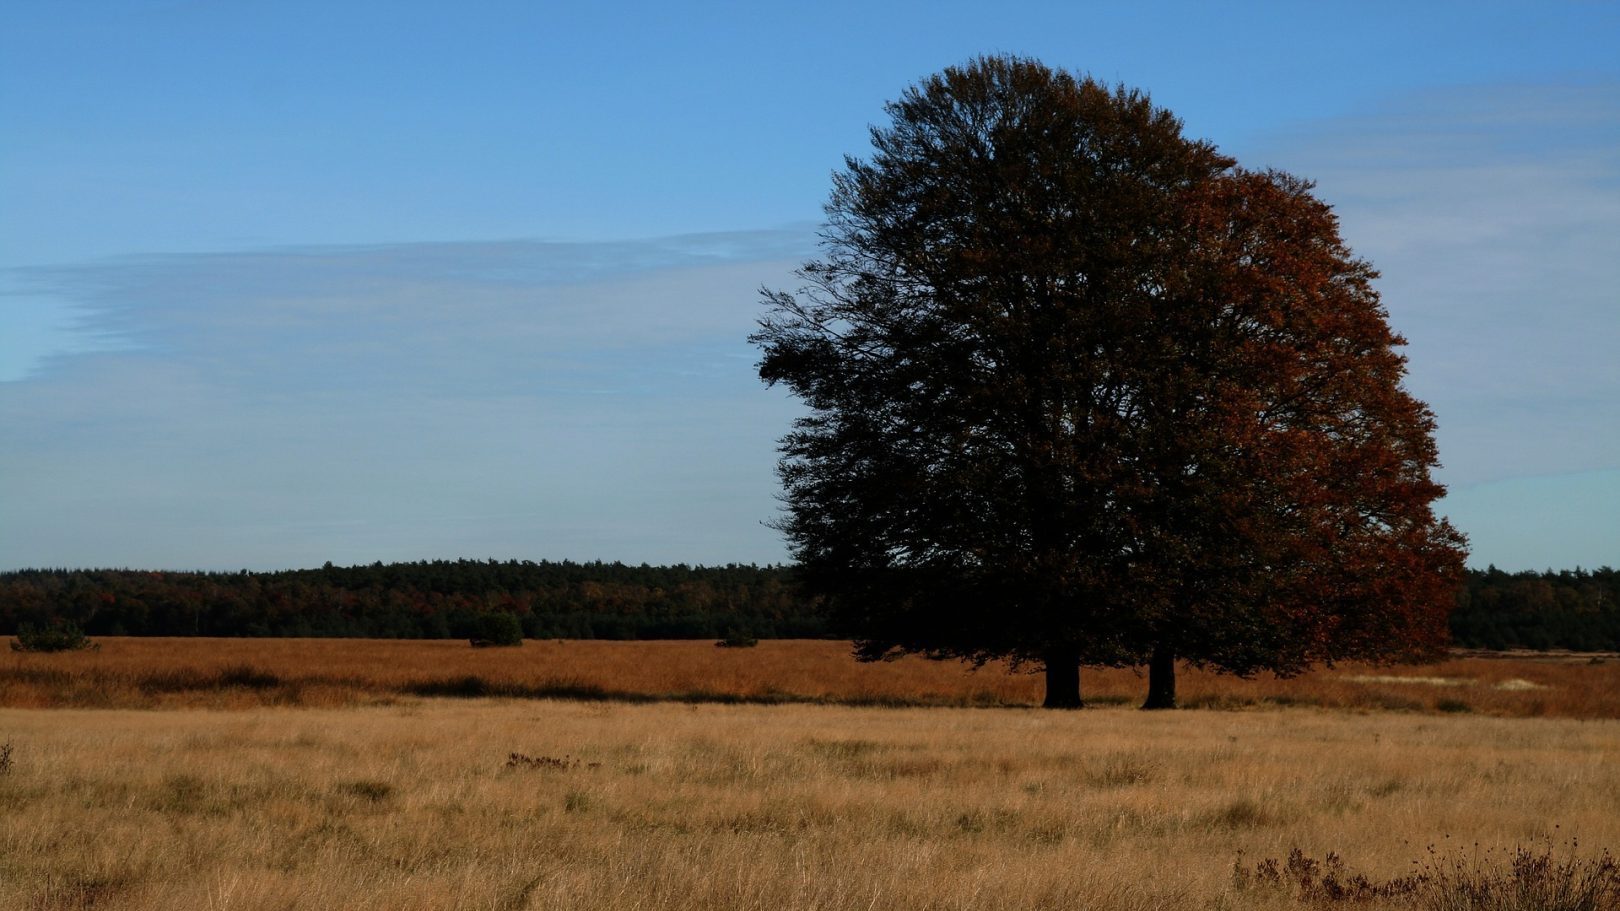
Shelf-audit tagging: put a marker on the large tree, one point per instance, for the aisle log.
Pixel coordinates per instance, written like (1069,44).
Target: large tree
(1281,507)
(1082,391)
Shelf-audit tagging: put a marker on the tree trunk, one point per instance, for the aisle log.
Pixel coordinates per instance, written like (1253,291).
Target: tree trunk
(1161,679)
(1062,678)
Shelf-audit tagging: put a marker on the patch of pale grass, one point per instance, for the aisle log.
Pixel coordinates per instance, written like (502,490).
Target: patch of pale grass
(419,805)
(1424,681)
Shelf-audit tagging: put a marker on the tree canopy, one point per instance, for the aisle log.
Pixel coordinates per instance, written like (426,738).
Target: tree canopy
(1082,390)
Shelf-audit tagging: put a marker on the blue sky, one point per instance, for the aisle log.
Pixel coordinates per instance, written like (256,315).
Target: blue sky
(283,283)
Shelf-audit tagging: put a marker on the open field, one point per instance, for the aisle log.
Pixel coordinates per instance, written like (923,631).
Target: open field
(617,806)
(224,673)
(316,774)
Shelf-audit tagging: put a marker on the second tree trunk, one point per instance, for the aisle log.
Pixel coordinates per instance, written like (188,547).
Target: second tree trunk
(1161,679)
(1062,678)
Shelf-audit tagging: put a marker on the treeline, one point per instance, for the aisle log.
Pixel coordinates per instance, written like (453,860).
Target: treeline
(427,600)
(441,599)
(1571,609)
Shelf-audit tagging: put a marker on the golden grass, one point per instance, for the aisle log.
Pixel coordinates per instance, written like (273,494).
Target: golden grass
(239,673)
(671,806)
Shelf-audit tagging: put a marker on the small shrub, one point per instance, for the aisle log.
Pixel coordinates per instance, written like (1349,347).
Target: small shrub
(6,758)
(58,637)
(496,629)
(1453,706)
(576,802)
(734,639)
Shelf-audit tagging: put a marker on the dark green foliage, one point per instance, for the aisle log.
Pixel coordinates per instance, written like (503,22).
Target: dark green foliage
(59,636)
(1577,610)
(1569,609)
(495,629)
(442,599)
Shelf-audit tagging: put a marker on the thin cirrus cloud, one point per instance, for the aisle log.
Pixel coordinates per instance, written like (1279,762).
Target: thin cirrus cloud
(283,408)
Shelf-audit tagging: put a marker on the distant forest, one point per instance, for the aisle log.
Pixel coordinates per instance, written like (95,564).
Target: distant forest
(440,599)
(1577,609)
(1571,609)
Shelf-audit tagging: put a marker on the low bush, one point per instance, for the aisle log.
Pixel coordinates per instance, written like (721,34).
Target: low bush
(58,637)
(497,629)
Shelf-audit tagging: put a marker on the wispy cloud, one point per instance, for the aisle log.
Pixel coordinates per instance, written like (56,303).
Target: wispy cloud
(514,399)
(1494,215)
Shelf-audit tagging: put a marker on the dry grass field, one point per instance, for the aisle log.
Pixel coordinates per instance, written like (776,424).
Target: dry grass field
(223,673)
(326,774)
(613,806)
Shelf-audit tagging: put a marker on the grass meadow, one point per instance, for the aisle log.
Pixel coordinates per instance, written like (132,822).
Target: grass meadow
(308,774)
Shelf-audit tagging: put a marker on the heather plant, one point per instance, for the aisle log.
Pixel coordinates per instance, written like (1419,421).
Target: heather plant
(1526,879)
(1530,879)
(1324,881)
